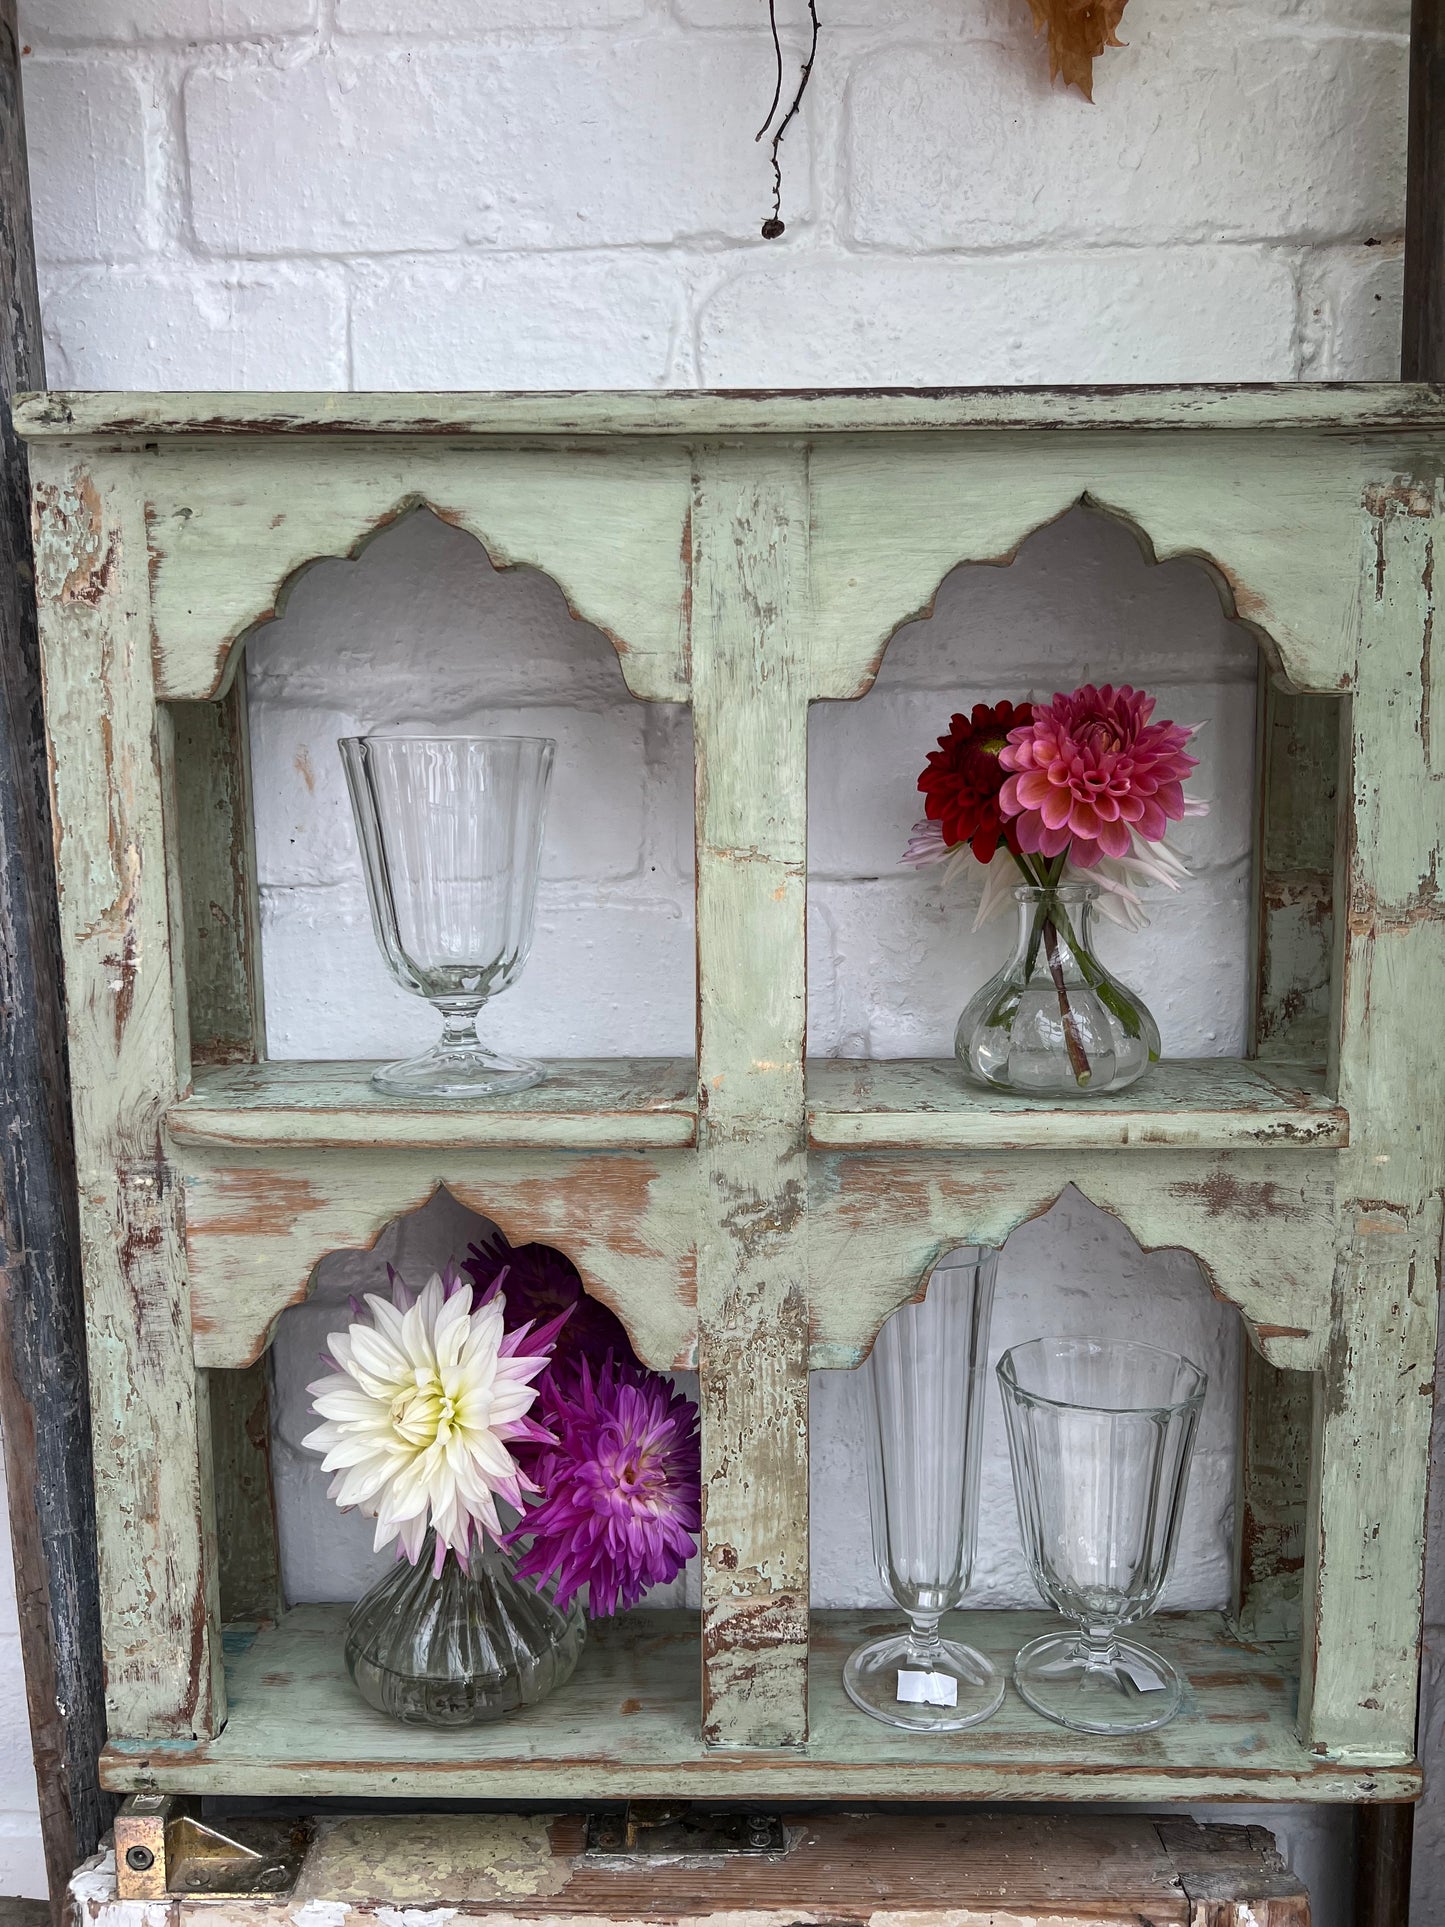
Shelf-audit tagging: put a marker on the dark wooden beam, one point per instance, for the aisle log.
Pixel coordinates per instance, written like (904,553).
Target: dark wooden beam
(1422,348)
(1384,1837)
(44,1402)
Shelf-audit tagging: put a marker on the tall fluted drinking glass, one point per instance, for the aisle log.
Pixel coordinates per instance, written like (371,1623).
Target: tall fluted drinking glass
(1100,1438)
(925,1383)
(451,843)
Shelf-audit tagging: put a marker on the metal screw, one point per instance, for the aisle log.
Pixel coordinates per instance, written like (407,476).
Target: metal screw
(760,1832)
(139,1859)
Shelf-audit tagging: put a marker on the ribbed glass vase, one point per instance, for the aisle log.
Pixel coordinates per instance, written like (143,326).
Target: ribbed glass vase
(457,1648)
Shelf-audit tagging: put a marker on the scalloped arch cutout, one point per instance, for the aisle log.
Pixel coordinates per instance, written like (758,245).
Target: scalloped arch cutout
(938,516)
(610,532)
(1263,1240)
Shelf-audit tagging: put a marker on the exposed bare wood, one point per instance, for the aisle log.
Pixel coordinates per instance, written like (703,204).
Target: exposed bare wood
(158,1589)
(750,710)
(256,1226)
(858,1870)
(215,868)
(248,1563)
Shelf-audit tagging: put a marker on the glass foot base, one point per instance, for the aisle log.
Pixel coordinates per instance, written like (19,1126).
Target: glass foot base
(457,1070)
(1127,1689)
(870,1679)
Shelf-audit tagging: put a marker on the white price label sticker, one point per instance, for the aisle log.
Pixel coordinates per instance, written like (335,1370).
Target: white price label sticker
(1142,1674)
(927,1689)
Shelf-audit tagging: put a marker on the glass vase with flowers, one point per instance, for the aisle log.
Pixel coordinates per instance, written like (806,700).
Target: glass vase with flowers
(1066,805)
(500,1384)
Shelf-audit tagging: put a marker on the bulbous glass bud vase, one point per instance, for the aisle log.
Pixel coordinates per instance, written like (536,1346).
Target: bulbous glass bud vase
(1054,1022)
(458,1648)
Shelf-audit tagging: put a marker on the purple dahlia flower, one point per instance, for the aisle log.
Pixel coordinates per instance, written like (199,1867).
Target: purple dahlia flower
(539,1284)
(622,1484)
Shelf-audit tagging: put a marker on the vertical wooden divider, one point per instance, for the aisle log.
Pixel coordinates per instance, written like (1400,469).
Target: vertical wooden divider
(750,708)
(159,1600)
(1371,1424)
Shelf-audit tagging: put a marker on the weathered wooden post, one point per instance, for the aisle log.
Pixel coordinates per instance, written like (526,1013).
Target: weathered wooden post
(44,1396)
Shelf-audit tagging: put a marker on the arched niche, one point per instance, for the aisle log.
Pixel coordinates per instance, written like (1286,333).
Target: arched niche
(419,631)
(893,956)
(323,1555)
(608,528)
(1112,1278)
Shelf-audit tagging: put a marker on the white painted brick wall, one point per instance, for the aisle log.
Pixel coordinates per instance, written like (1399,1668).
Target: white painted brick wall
(333,193)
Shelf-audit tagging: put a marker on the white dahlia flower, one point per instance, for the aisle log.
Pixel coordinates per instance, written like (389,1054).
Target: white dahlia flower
(428,1395)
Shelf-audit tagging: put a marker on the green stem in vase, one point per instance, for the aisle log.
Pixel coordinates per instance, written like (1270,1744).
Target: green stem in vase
(1044,928)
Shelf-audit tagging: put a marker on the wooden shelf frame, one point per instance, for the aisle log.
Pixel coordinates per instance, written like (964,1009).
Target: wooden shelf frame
(750,555)
(626,1728)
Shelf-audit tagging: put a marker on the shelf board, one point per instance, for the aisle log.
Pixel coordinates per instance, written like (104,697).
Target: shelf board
(605,1103)
(1206,1103)
(626,1726)
(1328,407)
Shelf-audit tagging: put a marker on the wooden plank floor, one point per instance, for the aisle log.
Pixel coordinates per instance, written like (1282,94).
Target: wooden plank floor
(627,1727)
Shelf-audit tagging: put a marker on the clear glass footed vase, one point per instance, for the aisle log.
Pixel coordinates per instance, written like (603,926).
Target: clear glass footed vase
(1054,1021)
(924,1388)
(451,844)
(1100,1438)
(458,1648)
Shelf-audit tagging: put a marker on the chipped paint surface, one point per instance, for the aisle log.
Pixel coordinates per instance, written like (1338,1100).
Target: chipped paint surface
(755,576)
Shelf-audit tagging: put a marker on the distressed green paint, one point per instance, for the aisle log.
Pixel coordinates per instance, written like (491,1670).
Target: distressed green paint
(612,1103)
(159,1603)
(750,717)
(1371,1432)
(1207,1104)
(626,1727)
(752,554)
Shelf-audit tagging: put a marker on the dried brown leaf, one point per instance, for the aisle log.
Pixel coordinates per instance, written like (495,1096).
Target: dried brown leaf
(1079,31)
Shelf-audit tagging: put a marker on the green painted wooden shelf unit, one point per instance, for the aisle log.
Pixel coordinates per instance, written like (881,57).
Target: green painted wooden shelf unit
(749,1214)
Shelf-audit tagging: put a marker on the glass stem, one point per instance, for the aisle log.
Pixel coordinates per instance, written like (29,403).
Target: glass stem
(925,1648)
(1097,1648)
(459,1028)
(1074,1043)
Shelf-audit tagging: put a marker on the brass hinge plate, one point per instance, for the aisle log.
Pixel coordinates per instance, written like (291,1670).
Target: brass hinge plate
(163,1848)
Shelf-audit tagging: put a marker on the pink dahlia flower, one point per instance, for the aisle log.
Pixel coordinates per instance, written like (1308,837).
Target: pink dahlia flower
(622,1484)
(1091,770)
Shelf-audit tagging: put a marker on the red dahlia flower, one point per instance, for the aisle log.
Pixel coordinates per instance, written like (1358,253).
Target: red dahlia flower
(1091,769)
(964,777)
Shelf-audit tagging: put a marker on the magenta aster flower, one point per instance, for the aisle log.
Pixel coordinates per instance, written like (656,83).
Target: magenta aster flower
(1090,771)
(622,1484)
